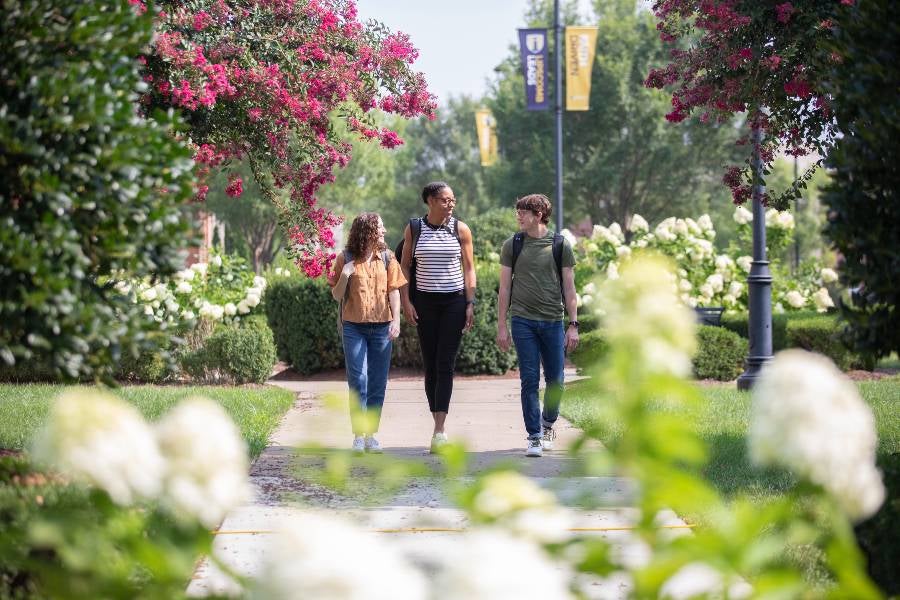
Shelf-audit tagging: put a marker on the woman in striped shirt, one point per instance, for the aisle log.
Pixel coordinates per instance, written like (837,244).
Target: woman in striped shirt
(440,299)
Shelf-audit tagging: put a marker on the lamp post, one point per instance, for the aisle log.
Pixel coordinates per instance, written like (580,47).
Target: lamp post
(759,281)
(557,27)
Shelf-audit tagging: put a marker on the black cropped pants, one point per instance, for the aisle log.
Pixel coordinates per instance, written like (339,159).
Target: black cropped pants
(442,317)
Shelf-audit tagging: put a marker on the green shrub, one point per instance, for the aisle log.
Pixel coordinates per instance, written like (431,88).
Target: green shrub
(720,353)
(878,536)
(479,353)
(740,325)
(303,318)
(491,229)
(591,348)
(822,334)
(406,352)
(80,181)
(149,366)
(242,354)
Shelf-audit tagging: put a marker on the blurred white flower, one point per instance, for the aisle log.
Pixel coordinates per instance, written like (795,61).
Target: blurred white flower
(638,224)
(685,286)
(494,257)
(778,309)
(123,287)
(259,282)
(745,262)
(507,491)
(579,301)
(100,439)
(490,564)
(216,261)
(645,317)
(729,300)
(612,271)
(706,290)
(184,288)
(784,220)
(603,234)
(172,306)
(822,300)
(230,309)
(795,299)
(569,237)
(148,310)
(592,247)
(212,311)
(319,557)
(206,461)
(736,288)
(188,314)
(544,524)
(589,288)
(642,243)
(680,227)
(185,275)
(279,272)
(699,579)
(724,263)
(664,232)
(251,300)
(623,252)
(200,268)
(693,227)
(772,218)
(198,302)
(807,416)
(616,230)
(242,307)
(828,275)
(702,249)
(587,300)
(742,216)
(149,295)
(156,304)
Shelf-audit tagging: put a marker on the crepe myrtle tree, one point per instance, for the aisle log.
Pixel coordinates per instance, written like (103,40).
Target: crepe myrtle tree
(262,81)
(766,58)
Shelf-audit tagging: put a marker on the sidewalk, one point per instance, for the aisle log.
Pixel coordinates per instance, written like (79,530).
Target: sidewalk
(485,415)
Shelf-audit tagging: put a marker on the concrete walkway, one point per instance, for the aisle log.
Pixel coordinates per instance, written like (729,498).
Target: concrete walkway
(485,415)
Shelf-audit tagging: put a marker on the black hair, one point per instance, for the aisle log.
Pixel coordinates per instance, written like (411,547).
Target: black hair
(432,189)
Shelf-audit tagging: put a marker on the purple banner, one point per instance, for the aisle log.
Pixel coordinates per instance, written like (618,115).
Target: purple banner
(533,48)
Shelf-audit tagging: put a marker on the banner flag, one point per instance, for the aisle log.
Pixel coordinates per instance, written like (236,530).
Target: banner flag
(533,49)
(486,126)
(580,44)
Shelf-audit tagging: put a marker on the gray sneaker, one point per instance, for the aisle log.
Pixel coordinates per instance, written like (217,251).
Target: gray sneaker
(548,438)
(534,448)
(359,444)
(372,445)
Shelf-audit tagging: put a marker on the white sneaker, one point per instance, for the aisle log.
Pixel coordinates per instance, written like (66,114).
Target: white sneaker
(547,438)
(438,440)
(534,447)
(359,444)
(372,445)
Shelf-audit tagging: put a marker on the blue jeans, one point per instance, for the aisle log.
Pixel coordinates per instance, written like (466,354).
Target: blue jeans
(539,343)
(367,354)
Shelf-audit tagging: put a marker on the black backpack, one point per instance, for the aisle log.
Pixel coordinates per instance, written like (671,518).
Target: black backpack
(386,257)
(558,240)
(415,229)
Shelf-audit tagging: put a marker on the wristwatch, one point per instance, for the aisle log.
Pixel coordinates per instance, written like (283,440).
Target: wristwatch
(572,324)
(472,301)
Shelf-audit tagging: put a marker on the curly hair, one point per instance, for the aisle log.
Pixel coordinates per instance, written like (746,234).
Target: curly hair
(363,237)
(538,204)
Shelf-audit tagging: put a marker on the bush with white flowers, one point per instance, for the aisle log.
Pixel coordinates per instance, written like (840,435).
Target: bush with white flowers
(706,276)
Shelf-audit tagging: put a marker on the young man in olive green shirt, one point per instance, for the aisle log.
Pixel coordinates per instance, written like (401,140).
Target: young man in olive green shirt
(536,294)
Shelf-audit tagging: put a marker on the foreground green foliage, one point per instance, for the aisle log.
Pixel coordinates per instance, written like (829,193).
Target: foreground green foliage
(89,191)
(256,411)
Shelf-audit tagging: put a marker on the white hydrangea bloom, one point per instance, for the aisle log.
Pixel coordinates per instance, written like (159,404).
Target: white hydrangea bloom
(212,311)
(504,492)
(579,300)
(612,271)
(772,218)
(315,556)
(200,268)
(570,237)
(778,309)
(703,248)
(685,286)
(206,461)
(680,227)
(736,288)
(148,310)
(172,306)
(123,287)
(822,300)
(188,314)
(795,299)
(745,262)
(716,282)
(489,564)
(706,291)
(544,525)
(638,224)
(100,439)
(184,287)
(742,216)
(705,223)
(185,275)
(729,300)
(724,263)
(616,230)
(149,295)
(230,309)
(807,416)
(587,300)
(242,307)
(251,300)
(785,220)
(623,252)
(828,275)
(216,261)
(700,580)
(589,288)
(664,231)
(693,227)
(260,282)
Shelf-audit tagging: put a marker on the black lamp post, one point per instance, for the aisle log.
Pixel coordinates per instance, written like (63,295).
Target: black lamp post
(759,282)
(557,30)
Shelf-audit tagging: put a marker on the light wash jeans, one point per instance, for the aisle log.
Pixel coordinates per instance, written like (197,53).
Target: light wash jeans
(367,354)
(539,343)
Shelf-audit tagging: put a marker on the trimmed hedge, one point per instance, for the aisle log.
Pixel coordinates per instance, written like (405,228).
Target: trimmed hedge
(243,354)
(720,353)
(479,353)
(591,348)
(303,318)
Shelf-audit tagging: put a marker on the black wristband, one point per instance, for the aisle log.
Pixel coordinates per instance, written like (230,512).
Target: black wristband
(573,324)
(472,301)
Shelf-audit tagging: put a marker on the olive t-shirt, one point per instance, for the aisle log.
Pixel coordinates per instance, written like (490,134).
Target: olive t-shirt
(535,286)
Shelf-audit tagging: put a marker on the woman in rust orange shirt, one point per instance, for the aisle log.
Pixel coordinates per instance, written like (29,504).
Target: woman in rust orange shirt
(367,280)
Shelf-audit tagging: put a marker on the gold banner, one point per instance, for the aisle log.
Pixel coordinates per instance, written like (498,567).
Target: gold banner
(486,127)
(580,44)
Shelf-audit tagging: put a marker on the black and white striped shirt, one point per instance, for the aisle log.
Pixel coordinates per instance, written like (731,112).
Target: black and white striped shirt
(438,259)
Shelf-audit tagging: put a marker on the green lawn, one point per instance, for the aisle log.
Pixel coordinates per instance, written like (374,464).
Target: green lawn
(722,421)
(255,410)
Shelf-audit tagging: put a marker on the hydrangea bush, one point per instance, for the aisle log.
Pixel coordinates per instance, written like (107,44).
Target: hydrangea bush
(704,276)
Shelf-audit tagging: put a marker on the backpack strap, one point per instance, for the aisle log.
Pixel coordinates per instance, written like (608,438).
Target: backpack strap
(415,228)
(558,241)
(517,245)
(386,258)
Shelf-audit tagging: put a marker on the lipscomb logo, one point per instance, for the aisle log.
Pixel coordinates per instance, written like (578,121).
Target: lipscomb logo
(534,42)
